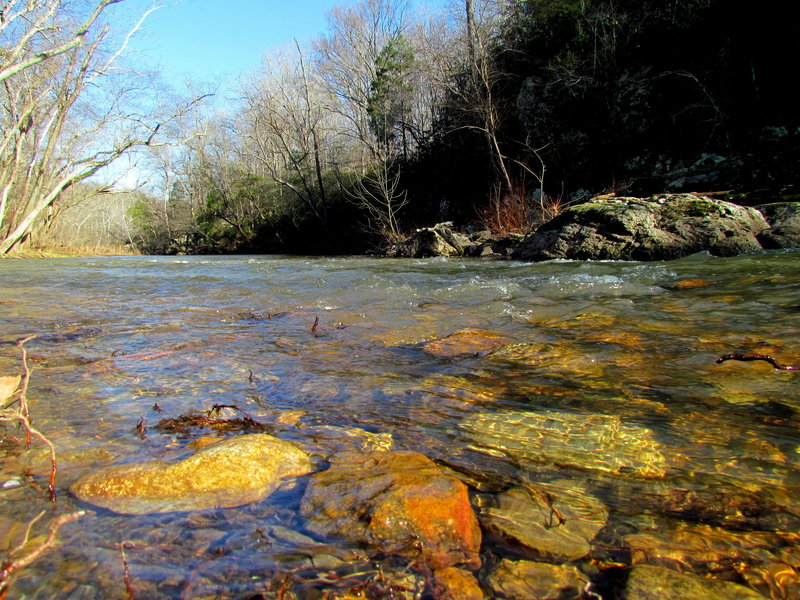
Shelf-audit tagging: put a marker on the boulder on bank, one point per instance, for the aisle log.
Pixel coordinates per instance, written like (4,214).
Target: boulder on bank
(443,240)
(657,228)
(439,240)
(784,222)
(396,502)
(233,472)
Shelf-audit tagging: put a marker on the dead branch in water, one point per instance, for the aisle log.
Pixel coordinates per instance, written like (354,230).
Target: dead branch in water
(21,414)
(750,357)
(13,564)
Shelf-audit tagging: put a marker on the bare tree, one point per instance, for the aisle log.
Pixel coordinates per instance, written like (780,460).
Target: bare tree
(66,112)
(286,128)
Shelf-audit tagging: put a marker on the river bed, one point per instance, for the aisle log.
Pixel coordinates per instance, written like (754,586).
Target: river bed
(607,376)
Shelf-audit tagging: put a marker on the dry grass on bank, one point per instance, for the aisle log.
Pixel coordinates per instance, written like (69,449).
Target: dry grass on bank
(62,251)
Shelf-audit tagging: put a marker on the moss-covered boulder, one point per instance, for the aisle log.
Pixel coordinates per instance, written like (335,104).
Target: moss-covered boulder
(662,227)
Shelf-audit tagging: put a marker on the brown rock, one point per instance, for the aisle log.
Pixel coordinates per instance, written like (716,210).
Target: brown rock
(464,342)
(548,521)
(233,472)
(453,583)
(656,583)
(398,502)
(527,580)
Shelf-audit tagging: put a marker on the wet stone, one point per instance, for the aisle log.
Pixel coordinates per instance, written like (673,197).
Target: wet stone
(452,583)
(528,580)
(548,521)
(560,438)
(656,583)
(397,502)
(233,472)
(464,343)
(705,549)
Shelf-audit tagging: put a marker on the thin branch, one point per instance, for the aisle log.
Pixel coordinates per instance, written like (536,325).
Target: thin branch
(751,357)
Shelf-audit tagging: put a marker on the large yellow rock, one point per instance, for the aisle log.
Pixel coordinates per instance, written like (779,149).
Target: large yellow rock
(233,472)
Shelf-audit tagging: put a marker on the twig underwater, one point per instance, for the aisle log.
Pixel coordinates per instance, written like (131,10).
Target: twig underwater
(752,357)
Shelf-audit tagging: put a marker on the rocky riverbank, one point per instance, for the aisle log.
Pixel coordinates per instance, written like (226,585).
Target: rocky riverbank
(662,227)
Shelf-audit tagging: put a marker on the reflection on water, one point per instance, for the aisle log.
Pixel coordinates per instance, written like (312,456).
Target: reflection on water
(604,374)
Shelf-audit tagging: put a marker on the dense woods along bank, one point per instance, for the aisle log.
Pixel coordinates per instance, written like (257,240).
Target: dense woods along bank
(492,115)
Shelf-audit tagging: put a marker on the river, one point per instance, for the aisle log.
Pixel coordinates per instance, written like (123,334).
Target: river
(607,377)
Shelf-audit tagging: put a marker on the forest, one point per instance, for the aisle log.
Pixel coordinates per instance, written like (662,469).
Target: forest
(492,114)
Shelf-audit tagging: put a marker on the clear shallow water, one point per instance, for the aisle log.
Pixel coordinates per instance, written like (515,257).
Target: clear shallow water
(608,378)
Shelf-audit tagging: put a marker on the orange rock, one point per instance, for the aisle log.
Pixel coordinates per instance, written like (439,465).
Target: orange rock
(464,342)
(399,502)
(685,284)
(452,583)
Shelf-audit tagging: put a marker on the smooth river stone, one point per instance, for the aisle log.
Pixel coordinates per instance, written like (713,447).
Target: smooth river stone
(397,502)
(656,583)
(561,438)
(547,521)
(233,472)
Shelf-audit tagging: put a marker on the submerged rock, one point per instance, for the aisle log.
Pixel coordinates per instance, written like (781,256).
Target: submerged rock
(656,228)
(528,580)
(704,549)
(548,521)
(233,472)
(397,502)
(657,583)
(452,583)
(582,441)
(463,343)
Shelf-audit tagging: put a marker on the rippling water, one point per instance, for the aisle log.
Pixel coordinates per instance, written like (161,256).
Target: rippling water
(608,376)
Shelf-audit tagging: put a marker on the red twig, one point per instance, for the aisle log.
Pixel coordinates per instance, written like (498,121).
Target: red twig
(315,325)
(26,377)
(749,357)
(126,575)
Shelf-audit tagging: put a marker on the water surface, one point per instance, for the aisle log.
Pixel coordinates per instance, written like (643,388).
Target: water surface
(613,364)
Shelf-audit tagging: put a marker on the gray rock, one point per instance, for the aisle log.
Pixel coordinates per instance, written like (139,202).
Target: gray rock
(439,240)
(784,222)
(656,228)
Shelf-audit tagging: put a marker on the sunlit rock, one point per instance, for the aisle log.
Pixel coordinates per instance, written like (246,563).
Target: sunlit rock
(657,228)
(569,439)
(657,583)
(396,502)
(547,521)
(328,440)
(233,472)
(464,342)
(452,583)
(705,549)
(439,240)
(524,580)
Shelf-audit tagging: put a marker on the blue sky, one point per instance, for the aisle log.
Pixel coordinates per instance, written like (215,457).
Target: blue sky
(213,41)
